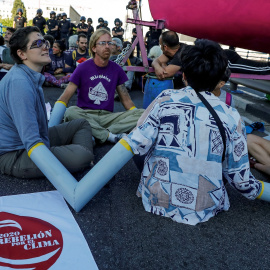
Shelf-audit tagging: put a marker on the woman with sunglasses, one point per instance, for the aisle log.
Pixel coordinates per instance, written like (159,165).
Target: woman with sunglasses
(59,65)
(23,116)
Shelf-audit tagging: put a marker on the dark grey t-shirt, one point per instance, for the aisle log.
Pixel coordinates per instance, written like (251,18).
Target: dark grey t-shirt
(176,60)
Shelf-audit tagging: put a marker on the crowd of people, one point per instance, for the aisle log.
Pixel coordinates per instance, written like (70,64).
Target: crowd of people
(186,152)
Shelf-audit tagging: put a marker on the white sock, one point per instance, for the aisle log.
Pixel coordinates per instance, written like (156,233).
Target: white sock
(112,137)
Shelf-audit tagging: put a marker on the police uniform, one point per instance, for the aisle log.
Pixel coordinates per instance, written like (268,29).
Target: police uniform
(107,28)
(40,22)
(82,26)
(19,21)
(52,23)
(90,32)
(100,26)
(118,30)
(64,26)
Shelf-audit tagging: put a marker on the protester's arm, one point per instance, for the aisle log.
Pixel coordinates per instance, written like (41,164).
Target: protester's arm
(69,66)
(144,135)
(159,66)
(6,66)
(125,97)
(170,70)
(13,24)
(236,168)
(47,28)
(68,93)
(22,108)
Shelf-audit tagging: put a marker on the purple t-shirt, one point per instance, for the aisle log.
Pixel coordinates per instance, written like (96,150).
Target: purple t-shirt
(96,85)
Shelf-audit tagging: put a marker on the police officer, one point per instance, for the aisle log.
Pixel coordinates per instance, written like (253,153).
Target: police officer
(101,22)
(59,17)
(118,31)
(82,27)
(19,21)
(90,29)
(105,25)
(52,25)
(64,27)
(40,21)
(73,28)
(134,35)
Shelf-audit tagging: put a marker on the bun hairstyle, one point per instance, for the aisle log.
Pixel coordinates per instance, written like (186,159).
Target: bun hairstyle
(204,64)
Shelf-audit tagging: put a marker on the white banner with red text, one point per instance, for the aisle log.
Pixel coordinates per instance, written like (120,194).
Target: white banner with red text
(38,231)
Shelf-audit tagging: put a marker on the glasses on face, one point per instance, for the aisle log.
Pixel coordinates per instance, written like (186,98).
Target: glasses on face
(103,43)
(39,43)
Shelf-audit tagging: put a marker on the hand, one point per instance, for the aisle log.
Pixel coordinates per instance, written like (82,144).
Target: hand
(160,73)
(263,168)
(7,66)
(58,71)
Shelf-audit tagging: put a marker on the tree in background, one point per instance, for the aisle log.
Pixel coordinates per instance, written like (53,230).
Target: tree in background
(18,4)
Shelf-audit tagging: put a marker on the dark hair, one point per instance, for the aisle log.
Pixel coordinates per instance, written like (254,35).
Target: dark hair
(2,41)
(225,77)
(62,44)
(170,38)
(81,36)
(50,38)
(203,64)
(19,41)
(11,29)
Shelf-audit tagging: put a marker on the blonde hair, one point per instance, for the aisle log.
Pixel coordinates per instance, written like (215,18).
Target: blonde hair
(94,38)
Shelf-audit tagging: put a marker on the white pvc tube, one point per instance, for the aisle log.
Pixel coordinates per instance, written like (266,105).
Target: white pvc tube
(103,171)
(53,169)
(57,115)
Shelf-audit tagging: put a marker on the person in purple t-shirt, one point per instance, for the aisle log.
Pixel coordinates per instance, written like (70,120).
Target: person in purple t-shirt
(96,81)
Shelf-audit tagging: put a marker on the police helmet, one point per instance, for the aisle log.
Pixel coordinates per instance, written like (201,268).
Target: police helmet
(106,22)
(64,14)
(40,11)
(89,20)
(19,10)
(100,20)
(117,20)
(53,13)
(82,18)
(59,15)
(121,23)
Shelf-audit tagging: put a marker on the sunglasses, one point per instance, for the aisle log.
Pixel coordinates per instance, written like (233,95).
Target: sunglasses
(39,43)
(103,43)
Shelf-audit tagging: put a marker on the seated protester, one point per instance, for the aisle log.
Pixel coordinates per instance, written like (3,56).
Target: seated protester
(116,48)
(7,60)
(96,81)
(80,54)
(154,53)
(183,171)
(221,94)
(59,66)
(72,44)
(23,116)
(259,149)
(131,61)
(51,40)
(2,47)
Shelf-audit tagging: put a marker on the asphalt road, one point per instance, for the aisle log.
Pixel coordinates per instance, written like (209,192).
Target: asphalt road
(121,235)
